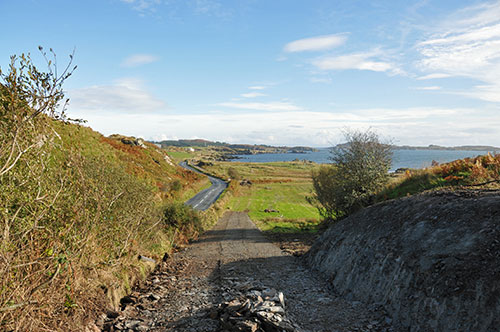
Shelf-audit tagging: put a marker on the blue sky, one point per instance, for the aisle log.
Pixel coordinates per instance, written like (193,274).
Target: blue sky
(280,72)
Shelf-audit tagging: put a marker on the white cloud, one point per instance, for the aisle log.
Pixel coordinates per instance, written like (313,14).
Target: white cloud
(428,88)
(252,94)
(139,59)
(173,8)
(433,76)
(324,80)
(124,96)
(210,7)
(272,106)
(416,126)
(359,61)
(318,43)
(257,87)
(467,44)
(143,6)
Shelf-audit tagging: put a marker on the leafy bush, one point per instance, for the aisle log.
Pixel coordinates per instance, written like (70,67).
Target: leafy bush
(233,173)
(182,218)
(176,185)
(360,170)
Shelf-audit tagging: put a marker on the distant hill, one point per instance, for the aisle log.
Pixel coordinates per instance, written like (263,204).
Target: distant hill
(237,148)
(438,147)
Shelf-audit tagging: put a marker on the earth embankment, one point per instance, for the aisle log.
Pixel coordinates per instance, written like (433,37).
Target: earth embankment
(433,260)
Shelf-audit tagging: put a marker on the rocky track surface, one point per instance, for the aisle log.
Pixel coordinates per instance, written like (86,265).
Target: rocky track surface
(234,279)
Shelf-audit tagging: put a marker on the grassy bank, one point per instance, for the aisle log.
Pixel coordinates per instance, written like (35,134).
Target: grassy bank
(77,209)
(479,172)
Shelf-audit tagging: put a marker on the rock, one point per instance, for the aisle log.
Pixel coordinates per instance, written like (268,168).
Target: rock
(153,297)
(247,326)
(126,300)
(281,298)
(140,142)
(250,312)
(132,324)
(268,293)
(245,183)
(112,314)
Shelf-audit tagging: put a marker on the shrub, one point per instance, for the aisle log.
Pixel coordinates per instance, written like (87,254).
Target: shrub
(360,170)
(233,173)
(182,218)
(176,185)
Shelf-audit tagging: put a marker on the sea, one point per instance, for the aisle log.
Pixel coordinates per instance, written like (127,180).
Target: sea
(400,158)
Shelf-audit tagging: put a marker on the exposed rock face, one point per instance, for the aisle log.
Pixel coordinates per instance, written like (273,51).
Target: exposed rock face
(168,160)
(433,261)
(130,140)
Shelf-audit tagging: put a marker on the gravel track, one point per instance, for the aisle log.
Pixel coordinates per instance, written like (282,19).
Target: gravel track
(186,291)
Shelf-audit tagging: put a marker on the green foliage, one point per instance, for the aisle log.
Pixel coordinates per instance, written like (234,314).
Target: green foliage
(360,170)
(233,173)
(183,218)
(75,208)
(176,185)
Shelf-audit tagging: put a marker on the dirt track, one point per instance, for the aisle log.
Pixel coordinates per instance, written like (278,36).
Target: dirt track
(185,291)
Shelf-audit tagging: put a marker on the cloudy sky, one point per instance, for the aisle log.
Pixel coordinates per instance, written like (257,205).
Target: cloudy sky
(280,72)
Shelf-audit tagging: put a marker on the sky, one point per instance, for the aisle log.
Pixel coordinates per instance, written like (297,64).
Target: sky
(278,72)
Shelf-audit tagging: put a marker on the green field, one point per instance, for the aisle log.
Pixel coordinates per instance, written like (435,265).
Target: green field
(289,199)
(180,155)
(280,186)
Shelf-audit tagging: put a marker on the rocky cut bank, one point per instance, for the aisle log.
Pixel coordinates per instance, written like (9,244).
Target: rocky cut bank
(432,260)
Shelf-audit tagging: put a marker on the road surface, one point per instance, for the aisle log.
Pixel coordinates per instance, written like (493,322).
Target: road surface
(205,198)
(186,291)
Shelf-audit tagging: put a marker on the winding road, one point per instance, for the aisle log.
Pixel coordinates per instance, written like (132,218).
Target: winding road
(205,198)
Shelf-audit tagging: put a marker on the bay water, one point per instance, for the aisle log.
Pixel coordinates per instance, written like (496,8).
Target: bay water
(401,158)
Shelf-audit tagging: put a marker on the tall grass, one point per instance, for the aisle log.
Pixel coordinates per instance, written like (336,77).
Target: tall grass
(76,210)
(468,172)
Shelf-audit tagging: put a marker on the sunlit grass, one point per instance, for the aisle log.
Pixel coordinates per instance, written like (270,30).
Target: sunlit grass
(178,156)
(281,188)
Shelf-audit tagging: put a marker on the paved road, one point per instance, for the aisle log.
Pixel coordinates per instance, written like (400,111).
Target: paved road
(205,198)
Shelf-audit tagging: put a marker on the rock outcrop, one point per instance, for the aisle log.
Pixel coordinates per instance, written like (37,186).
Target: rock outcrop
(433,260)
(130,140)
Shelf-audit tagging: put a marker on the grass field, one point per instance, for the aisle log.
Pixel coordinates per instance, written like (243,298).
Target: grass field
(289,199)
(282,187)
(178,156)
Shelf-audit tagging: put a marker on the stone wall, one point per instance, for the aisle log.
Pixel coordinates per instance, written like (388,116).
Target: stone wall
(433,260)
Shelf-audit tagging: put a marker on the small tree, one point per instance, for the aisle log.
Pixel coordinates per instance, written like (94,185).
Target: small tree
(360,170)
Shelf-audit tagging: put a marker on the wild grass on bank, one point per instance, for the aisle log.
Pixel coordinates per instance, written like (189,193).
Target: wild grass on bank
(76,210)
(481,171)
